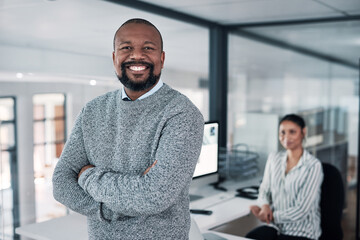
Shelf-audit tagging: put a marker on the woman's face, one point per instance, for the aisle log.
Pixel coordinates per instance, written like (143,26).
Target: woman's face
(291,135)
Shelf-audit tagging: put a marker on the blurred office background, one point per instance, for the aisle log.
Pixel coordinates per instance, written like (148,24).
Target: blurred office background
(243,63)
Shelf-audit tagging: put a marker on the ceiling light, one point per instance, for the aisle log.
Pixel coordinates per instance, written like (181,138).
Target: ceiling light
(19,75)
(92,82)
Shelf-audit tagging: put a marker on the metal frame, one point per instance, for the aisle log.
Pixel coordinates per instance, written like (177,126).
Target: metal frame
(232,27)
(357,224)
(166,12)
(218,79)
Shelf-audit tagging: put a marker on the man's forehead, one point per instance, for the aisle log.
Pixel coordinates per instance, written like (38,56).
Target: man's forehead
(139,33)
(137,28)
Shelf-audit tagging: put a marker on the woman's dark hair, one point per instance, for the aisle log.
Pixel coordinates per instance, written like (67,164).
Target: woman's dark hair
(295,119)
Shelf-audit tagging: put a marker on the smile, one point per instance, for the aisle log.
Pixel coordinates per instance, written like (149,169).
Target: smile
(137,68)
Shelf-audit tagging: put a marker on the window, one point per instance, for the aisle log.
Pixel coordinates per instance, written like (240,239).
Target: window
(49,139)
(8,168)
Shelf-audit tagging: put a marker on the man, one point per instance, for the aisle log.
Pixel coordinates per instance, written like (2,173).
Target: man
(131,155)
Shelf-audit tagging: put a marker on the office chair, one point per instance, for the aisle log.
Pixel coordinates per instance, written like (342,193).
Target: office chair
(331,203)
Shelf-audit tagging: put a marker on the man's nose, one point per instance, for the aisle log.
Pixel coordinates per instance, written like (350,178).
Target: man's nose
(137,53)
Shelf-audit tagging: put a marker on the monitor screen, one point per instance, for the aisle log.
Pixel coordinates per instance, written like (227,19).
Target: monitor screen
(206,171)
(208,159)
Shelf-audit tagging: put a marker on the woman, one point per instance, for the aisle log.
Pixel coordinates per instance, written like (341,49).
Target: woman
(289,195)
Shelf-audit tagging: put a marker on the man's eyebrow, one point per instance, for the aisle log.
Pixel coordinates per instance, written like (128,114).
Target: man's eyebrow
(150,42)
(125,42)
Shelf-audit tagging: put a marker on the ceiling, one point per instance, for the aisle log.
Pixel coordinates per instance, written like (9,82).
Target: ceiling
(86,27)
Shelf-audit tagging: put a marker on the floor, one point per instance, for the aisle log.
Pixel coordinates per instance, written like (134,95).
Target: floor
(349,217)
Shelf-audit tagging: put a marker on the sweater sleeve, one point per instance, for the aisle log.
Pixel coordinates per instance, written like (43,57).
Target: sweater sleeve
(265,187)
(177,154)
(306,197)
(66,189)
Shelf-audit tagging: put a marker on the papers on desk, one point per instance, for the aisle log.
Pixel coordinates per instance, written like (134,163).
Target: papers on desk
(208,202)
(224,212)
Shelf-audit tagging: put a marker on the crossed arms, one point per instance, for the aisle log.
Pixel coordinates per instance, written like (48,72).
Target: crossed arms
(89,189)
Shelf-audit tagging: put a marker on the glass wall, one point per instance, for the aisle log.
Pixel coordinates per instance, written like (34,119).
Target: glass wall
(49,140)
(186,66)
(267,82)
(8,170)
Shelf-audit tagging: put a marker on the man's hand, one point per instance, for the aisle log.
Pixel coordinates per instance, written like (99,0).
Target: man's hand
(84,168)
(148,169)
(91,166)
(264,213)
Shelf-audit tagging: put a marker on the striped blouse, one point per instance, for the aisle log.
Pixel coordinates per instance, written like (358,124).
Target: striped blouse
(294,197)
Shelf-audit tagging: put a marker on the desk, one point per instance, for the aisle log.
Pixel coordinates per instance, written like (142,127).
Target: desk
(70,227)
(58,229)
(226,210)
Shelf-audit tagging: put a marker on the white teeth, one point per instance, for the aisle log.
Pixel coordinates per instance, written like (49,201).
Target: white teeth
(137,68)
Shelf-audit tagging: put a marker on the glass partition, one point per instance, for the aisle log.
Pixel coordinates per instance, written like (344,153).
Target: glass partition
(267,82)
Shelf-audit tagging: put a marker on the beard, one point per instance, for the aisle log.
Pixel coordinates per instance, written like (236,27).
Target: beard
(138,86)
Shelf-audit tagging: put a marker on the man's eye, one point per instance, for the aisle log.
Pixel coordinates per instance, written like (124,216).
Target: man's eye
(125,48)
(148,48)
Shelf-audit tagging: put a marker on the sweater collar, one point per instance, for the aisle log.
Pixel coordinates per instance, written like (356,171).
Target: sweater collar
(125,97)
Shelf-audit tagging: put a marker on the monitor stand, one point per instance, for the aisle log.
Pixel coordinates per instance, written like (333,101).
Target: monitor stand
(194,197)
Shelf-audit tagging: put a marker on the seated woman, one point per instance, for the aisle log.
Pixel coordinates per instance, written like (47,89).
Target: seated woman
(289,195)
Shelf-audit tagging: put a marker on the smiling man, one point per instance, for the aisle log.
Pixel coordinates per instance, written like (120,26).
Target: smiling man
(138,57)
(131,155)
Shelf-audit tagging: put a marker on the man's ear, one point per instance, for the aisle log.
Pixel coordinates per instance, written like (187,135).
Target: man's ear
(162,59)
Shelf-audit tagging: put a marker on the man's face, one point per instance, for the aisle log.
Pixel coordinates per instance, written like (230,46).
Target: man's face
(137,56)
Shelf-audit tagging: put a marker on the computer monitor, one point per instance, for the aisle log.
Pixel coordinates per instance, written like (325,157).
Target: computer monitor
(206,170)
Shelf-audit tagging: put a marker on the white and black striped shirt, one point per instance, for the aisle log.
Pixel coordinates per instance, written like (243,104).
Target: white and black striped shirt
(294,197)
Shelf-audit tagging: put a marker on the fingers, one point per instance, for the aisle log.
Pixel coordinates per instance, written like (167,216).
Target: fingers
(265,214)
(268,219)
(84,168)
(154,163)
(252,207)
(255,210)
(271,216)
(148,169)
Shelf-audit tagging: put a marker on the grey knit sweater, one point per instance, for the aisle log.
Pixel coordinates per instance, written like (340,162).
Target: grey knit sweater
(122,139)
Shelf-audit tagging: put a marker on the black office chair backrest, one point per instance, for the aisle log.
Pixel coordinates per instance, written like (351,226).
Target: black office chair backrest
(331,203)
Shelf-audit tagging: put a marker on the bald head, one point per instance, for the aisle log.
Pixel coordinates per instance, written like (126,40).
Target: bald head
(138,21)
